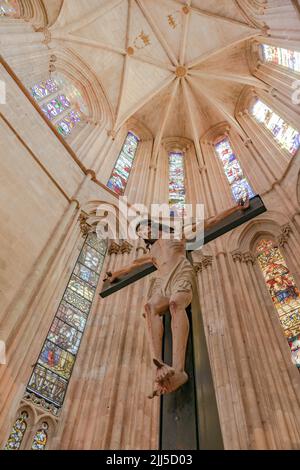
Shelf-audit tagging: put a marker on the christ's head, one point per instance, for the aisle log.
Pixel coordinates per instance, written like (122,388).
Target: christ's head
(150,231)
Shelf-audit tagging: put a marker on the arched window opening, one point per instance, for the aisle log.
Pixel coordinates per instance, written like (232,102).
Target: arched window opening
(55,363)
(40,438)
(176,183)
(285,295)
(61,102)
(287,137)
(18,431)
(121,172)
(280,56)
(9,8)
(239,185)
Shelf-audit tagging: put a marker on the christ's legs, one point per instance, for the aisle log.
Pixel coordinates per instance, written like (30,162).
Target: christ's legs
(154,308)
(180,327)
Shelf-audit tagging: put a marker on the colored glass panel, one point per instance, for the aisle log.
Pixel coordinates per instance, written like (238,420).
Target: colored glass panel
(64,336)
(56,106)
(286,136)
(176,183)
(86,274)
(71,315)
(67,124)
(17,433)
(56,359)
(9,8)
(240,187)
(120,174)
(77,301)
(91,258)
(40,438)
(280,56)
(50,376)
(48,385)
(284,292)
(82,288)
(44,89)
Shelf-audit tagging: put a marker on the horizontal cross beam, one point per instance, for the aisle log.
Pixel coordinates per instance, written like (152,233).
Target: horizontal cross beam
(256,207)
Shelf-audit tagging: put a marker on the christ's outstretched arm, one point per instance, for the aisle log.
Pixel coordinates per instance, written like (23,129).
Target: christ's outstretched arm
(208,223)
(113,277)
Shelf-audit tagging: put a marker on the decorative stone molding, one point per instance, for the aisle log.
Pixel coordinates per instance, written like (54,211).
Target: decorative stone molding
(125,247)
(285,231)
(40,405)
(113,248)
(204,262)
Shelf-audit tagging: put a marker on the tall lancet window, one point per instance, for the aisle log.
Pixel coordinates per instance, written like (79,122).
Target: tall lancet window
(120,174)
(280,56)
(9,8)
(176,183)
(61,102)
(287,137)
(16,436)
(52,372)
(239,185)
(285,295)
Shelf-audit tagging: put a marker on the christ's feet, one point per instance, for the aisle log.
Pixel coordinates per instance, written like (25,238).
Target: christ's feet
(163,371)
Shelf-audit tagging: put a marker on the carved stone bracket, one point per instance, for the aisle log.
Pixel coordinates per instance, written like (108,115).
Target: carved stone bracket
(204,262)
(285,231)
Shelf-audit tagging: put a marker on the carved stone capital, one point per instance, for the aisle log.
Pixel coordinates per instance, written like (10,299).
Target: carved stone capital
(201,265)
(85,228)
(237,256)
(248,257)
(126,247)
(113,248)
(285,231)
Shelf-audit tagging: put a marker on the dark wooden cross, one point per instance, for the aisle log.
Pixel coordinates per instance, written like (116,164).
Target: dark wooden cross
(189,417)
(256,207)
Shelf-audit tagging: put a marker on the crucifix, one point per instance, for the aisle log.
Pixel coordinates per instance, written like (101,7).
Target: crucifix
(172,289)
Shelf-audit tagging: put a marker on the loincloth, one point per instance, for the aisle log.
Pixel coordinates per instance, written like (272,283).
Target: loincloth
(179,279)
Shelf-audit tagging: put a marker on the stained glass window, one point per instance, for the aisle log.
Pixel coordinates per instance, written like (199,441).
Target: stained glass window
(44,89)
(176,183)
(239,185)
(286,136)
(285,295)
(280,56)
(53,370)
(120,174)
(61,102)
(9,8)
(17,433)
(40,438)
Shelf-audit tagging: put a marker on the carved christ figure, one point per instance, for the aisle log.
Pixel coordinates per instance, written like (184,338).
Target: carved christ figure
(170,290)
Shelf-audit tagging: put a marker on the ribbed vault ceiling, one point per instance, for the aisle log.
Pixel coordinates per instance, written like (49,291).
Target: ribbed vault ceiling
(177,66)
